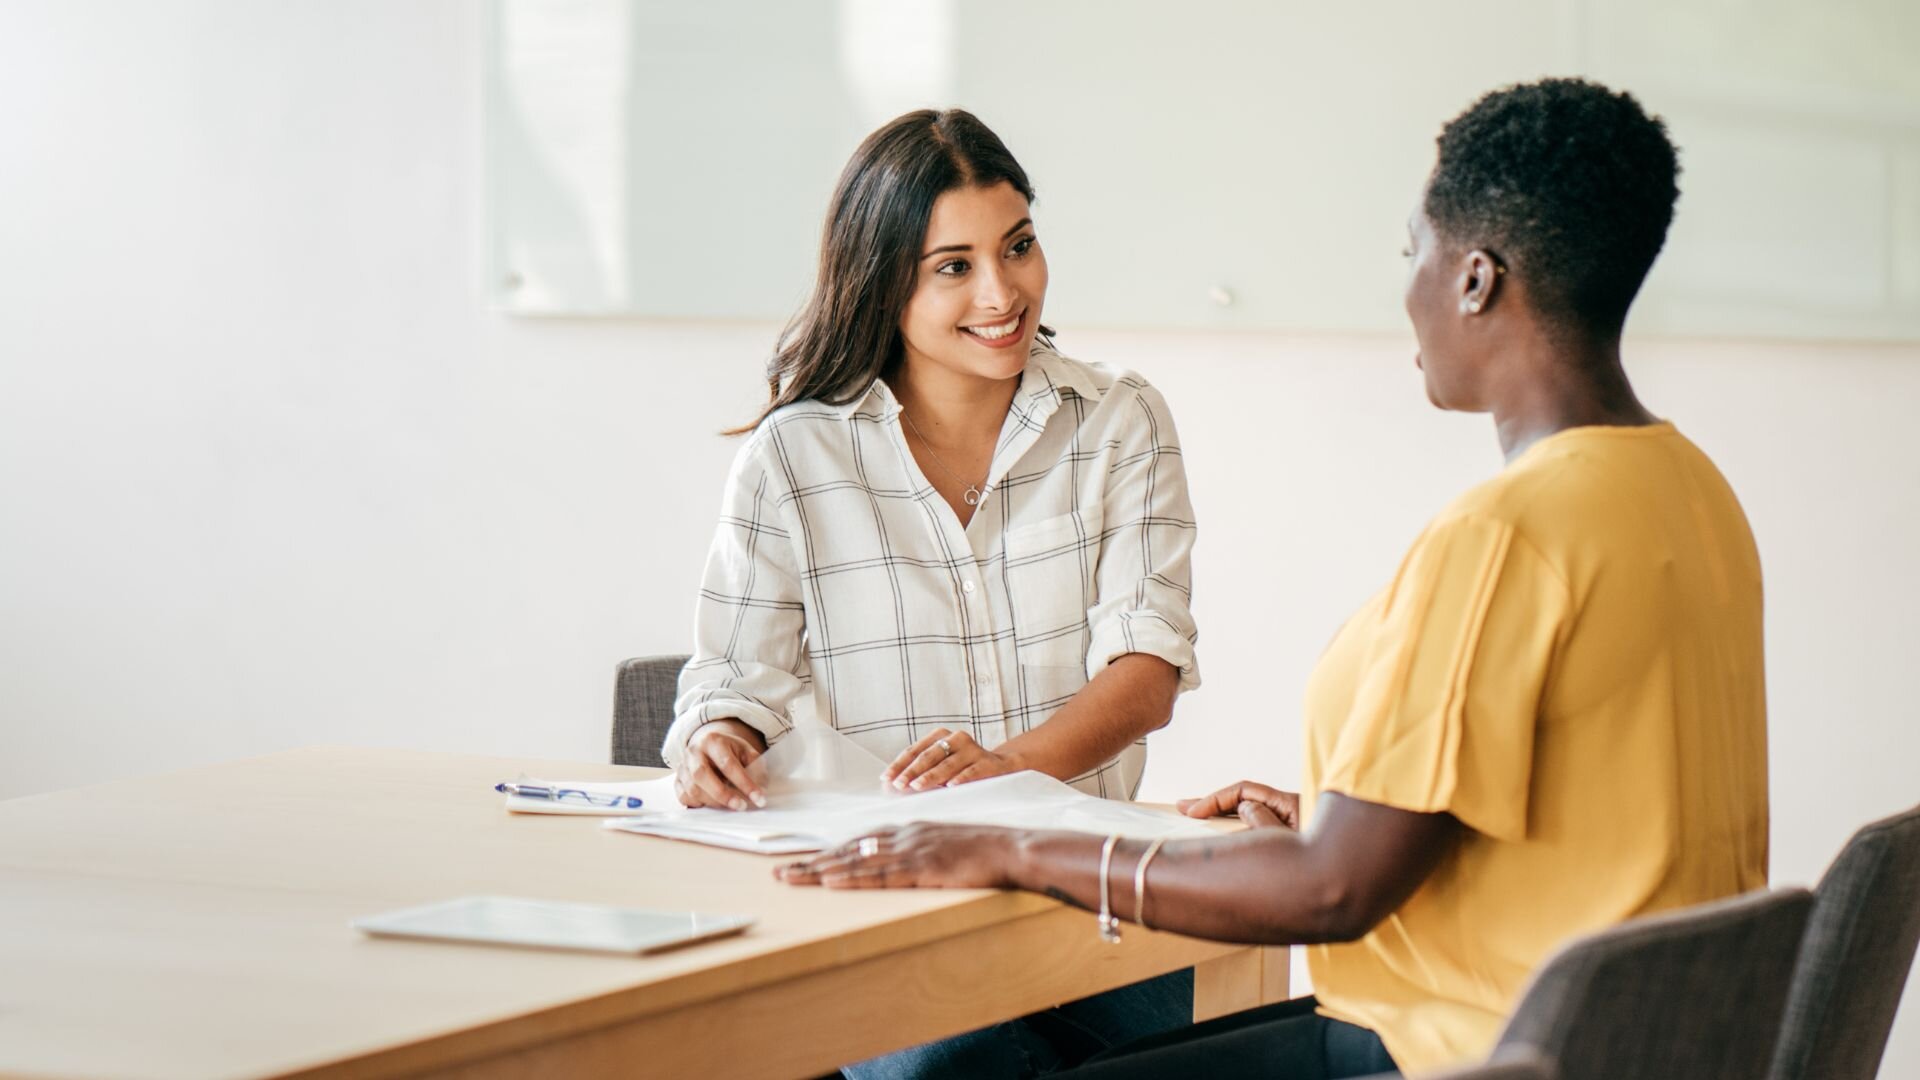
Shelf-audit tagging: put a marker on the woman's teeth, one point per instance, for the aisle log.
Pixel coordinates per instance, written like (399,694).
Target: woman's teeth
(994,333)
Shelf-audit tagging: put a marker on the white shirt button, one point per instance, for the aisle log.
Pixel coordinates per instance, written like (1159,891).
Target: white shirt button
(966,586)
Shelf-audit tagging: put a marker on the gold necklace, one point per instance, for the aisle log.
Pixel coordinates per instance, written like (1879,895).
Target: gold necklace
(972,496)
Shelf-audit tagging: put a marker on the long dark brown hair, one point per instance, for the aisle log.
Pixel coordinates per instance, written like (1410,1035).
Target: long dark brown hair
(848,333)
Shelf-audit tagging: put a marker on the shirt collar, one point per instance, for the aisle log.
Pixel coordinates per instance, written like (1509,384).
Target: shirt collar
(1047,374)
(876,400)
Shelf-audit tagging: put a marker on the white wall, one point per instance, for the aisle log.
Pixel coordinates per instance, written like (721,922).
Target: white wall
(271,474)
(1796,114)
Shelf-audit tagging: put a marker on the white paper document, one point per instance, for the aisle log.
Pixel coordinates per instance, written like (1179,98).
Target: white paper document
(823,789)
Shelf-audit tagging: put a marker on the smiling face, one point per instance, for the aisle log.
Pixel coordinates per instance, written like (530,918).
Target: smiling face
(979,285)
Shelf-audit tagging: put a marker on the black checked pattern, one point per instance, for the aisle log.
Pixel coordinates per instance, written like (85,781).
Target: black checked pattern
(840,582)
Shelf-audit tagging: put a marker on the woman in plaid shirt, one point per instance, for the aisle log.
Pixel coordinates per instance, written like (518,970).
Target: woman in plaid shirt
(958,548)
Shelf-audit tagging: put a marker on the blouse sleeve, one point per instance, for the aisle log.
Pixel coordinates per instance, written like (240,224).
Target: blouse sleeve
(749,654)
(1143,583)
(1449,692)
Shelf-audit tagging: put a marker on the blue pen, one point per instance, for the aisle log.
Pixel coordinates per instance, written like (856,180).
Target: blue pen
(535,791)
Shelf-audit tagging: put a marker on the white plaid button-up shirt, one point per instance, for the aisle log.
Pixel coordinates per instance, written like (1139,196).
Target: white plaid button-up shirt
(840,581)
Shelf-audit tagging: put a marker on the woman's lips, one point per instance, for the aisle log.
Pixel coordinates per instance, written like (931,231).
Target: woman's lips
(1006,340)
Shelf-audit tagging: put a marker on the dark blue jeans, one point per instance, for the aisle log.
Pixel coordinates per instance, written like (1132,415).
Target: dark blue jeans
(1286,1041)
(1047,1041)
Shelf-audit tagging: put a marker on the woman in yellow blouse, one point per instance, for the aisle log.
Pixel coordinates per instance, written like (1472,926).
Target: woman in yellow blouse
(1553,717)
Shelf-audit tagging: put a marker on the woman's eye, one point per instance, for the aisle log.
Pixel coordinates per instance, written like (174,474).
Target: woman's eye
(1023,245)
(953,268)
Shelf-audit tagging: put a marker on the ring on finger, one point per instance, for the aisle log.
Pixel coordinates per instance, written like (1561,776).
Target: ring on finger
(869,846)
(945,747)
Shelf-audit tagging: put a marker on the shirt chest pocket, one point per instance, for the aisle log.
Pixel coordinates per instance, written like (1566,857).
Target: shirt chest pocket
(1050,587)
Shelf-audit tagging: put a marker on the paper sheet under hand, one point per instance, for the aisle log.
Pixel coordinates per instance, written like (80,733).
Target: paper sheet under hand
(812,759)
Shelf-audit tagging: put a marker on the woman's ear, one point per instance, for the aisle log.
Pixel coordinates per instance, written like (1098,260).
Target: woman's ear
(1479,281)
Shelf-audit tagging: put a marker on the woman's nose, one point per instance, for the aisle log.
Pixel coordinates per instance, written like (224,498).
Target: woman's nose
(995,292)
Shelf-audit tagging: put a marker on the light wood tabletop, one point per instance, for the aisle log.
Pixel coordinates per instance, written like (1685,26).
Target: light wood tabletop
(194,924)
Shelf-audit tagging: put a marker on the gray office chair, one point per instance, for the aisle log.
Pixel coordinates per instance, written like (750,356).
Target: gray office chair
(643,693)
(1854,960)
(1696,992)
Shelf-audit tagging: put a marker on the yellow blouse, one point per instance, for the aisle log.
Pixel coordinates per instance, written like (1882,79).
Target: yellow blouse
(1569,662)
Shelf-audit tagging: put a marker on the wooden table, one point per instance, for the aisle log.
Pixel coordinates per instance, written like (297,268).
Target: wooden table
(195,925)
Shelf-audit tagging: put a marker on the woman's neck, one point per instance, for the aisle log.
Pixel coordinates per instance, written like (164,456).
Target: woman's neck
(950,408)
(1554,385)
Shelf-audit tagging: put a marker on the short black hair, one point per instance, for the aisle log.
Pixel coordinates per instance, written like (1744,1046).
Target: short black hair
(1570,184)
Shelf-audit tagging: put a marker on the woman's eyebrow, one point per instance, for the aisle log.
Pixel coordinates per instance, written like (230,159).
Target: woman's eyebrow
(1017,226)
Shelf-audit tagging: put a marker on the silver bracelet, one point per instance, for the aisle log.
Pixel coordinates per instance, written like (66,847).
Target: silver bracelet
(1140,882)
(1109,926)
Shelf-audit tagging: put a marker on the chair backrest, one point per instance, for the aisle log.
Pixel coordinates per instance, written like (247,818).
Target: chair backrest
(1856,955)
(1694,992)
(643,693)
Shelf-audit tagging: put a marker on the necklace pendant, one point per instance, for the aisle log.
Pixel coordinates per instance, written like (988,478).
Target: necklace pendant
(972,497)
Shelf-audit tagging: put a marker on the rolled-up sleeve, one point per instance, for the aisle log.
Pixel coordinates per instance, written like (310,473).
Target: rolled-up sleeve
(749,655)
(1144,583)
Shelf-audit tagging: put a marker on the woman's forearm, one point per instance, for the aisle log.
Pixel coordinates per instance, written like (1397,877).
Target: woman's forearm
(1130,697)
(1267,886)
(1225,889)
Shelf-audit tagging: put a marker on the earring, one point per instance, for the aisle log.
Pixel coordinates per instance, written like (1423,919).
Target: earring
(1472,307)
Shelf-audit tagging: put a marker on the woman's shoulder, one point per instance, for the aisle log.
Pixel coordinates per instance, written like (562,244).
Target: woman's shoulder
(762,449)
(812,412)
(1553,505)
(1572,477)
(1509,502)
(1100,383)
(817,420)
(799,439)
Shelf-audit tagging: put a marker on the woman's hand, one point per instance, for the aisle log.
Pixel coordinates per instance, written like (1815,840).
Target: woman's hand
(942,759)
(716,771)
(1258,805)
(924,856)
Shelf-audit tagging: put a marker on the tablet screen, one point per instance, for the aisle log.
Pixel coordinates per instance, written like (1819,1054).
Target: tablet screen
(553,924)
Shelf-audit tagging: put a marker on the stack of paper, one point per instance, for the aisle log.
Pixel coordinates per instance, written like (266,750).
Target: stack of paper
(810,821)
(794,821)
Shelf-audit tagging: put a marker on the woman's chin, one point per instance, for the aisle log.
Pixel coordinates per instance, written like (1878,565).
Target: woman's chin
(1437,399)
(998,363)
